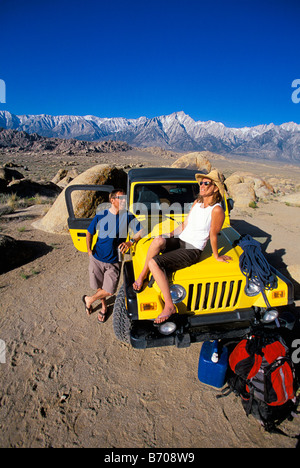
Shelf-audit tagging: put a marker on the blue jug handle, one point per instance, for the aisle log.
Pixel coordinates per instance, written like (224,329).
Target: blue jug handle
(215,346)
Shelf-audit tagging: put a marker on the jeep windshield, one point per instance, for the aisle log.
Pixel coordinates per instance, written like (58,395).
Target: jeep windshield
(168,197)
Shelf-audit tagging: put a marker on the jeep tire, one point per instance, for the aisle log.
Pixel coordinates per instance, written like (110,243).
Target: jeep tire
(121,321)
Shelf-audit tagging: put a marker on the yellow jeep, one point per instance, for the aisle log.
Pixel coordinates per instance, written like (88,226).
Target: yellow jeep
(211,298)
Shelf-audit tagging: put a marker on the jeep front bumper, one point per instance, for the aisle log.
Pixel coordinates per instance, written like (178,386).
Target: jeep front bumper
(192,329)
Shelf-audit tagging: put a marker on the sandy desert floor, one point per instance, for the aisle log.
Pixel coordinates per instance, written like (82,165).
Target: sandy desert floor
(68,382)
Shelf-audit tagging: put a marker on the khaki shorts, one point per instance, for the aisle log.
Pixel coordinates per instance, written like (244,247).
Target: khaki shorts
(104,275)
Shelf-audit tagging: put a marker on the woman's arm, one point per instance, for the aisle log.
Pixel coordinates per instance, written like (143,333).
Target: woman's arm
(217,220)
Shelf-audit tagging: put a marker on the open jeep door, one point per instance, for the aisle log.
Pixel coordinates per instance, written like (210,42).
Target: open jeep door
(85,204)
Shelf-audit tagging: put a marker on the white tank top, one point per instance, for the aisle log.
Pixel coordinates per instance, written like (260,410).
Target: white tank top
(197,230)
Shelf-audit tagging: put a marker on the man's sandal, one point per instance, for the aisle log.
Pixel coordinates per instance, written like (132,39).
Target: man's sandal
(88,310)
(101,314)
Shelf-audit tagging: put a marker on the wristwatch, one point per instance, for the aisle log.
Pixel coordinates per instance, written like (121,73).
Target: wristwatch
(133,241)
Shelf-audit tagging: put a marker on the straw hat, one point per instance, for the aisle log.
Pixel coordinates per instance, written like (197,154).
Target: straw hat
(216,177)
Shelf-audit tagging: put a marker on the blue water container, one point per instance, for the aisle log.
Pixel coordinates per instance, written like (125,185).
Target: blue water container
(212,364)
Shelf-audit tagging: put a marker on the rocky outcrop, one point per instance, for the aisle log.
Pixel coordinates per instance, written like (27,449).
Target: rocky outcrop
(64,177)
(293,199)
(13,182)
(27,188)
(14,141)
(7,175)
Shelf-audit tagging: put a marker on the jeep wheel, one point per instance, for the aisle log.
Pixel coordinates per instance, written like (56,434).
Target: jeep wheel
(121,322)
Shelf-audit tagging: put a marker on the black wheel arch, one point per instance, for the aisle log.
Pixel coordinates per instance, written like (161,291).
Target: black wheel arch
(131,299)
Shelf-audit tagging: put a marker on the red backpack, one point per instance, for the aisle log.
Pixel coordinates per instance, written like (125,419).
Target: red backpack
(263,375)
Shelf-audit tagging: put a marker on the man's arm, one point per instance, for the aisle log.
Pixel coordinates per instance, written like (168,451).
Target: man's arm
(91,231)
(89,240)
(133,240)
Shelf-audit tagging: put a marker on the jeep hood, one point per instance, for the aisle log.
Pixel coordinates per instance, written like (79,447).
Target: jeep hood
(208,266)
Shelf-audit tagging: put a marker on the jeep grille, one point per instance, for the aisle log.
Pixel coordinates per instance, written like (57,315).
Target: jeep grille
(219,295)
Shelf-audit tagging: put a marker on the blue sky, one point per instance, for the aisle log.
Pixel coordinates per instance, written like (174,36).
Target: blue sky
(229,61)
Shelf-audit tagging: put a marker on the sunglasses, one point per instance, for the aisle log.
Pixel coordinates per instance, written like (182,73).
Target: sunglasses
(205,183)
(121,197)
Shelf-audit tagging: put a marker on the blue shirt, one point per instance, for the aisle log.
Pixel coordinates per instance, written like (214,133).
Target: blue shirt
(112,231)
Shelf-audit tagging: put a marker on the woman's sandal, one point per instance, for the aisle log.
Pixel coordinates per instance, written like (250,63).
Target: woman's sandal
(141,286)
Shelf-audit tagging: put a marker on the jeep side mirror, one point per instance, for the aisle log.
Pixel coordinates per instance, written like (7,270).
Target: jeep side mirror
(230,204)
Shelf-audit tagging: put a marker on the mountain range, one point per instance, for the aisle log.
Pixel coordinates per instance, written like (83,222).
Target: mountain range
(177,131)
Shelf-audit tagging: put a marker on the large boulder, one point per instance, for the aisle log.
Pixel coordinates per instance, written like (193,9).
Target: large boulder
(84,202)
(243,194)
(197,161)
(246,188)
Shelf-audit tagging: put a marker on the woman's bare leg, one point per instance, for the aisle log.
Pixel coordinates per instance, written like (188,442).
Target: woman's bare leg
(163,284)
(157,245)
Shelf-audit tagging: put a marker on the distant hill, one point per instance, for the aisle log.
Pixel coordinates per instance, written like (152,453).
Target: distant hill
(177,132)
(23,141)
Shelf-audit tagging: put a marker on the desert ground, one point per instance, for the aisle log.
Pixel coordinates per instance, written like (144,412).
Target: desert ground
(68,382)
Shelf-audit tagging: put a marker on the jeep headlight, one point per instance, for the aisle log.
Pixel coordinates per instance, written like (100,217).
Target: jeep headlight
(178,293)
(269,316)
(253,288)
